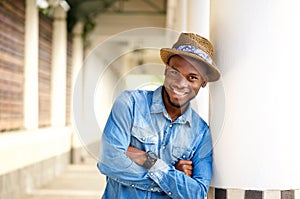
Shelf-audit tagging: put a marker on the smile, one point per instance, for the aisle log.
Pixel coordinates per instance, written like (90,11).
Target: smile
(180,93)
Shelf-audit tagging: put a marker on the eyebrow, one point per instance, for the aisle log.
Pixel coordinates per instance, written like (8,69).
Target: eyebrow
(195,74)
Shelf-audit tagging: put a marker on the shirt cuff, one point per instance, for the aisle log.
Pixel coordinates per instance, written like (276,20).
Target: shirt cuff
(158,169)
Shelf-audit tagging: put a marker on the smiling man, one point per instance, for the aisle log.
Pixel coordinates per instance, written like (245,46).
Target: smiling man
(154,144)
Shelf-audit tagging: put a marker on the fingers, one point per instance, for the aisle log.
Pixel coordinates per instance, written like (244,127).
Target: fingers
(188,173)
(186,162)
(188,170)
(186,166)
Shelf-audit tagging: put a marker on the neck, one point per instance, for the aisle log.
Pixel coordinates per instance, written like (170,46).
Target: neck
(174,113)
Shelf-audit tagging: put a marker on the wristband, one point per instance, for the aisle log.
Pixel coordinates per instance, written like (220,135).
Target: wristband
(151,159)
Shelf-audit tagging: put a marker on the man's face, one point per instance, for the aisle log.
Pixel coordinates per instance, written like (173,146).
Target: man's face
(183,80)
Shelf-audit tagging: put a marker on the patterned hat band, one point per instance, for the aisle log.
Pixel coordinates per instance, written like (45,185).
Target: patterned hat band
(196,51)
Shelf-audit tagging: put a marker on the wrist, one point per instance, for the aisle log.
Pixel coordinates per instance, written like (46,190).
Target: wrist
(151,159)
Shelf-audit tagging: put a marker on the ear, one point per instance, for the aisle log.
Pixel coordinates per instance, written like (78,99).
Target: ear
(204,83)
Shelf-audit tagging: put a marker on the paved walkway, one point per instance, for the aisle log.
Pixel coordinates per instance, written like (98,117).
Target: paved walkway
(77,182)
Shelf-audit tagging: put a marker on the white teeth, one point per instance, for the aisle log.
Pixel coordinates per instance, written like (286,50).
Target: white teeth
(178,93)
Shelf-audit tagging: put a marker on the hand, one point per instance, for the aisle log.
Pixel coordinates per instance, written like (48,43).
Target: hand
(136,155)
(186,166)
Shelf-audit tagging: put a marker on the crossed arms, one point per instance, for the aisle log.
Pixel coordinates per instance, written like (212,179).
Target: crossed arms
(139,157)
(185,179)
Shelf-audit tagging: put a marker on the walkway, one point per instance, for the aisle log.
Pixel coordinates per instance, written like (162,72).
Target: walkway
(78,182)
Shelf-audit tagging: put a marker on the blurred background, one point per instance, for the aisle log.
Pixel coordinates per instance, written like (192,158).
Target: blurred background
(63,62)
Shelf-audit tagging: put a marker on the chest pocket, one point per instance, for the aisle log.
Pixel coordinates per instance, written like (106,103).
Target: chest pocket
(143,138)
(182,153)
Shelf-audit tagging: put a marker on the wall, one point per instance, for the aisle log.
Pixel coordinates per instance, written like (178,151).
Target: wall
(12,17)
(31,156)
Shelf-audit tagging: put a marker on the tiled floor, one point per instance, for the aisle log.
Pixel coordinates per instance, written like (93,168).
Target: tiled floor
(77,182)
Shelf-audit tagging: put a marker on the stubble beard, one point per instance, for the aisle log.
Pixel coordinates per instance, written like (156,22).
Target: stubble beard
(179,106)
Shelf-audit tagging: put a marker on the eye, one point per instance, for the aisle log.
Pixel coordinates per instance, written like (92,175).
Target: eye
(193,78)
(173,72)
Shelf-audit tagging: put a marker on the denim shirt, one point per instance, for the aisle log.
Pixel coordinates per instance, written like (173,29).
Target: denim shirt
(139,119)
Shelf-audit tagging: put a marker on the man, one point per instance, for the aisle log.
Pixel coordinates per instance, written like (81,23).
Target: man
(154,144)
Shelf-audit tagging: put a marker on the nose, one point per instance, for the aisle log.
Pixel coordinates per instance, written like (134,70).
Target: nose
(181,81)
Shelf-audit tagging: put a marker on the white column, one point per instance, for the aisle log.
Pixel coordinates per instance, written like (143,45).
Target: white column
(59,62)
(77,58)
(198,12)
(171,14)
(180,20)
(257,44)
(31,112)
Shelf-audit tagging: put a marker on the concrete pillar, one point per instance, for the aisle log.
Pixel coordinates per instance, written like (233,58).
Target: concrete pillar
(198,12)
(257,44)
(181,11)
(197,16)
(77,58)
(178,10)
(78,154)
(31,112)
(171,14)
(59,65)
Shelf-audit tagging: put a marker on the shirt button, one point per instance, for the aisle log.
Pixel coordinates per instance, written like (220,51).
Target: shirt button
(171,125)
(163,147)
(151,174)
(132,185)
(151,189)
(183,156)
(170,193)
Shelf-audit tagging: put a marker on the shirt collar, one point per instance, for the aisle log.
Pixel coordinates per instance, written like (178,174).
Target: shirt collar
(158,106)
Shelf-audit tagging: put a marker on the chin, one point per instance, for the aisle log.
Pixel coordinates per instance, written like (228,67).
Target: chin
(178,104)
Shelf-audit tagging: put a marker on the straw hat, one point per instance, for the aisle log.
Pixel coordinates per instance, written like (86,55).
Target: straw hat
(197,47)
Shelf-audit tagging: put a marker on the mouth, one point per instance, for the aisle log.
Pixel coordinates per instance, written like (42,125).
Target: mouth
(175,97)
(180,93)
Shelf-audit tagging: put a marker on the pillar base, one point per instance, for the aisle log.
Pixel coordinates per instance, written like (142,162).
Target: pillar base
(217,193)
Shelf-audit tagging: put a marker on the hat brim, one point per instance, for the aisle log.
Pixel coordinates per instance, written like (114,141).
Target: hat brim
(213,74)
